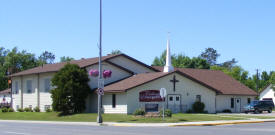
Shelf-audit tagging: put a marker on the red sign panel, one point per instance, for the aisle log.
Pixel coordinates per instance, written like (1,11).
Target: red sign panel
(150,96)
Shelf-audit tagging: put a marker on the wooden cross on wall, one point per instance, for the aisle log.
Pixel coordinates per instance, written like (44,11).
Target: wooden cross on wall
(174,81)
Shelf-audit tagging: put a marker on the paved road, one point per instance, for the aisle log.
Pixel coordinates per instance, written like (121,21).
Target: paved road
(252,114)
(8,128)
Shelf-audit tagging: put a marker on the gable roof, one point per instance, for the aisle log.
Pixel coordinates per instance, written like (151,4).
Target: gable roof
(134,81)
(214,80)
(81,63)
(6,91)
(265,87)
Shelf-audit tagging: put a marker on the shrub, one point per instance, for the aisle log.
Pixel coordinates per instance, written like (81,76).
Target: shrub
(198,107)
(139,112)
(168,113)
(10,110)
(27,109)
(20,110)
(36,109)
(49,110)
(4,109)
(189,111)
(71,90)
(226,111)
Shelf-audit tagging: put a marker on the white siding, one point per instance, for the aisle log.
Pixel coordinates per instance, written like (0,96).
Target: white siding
(45,97)
(224,102)
(121,105)
(16,97)
(30,98)
(185,87)
(38,96)
(91,103)
(268,93)
(117,74)
(130,65)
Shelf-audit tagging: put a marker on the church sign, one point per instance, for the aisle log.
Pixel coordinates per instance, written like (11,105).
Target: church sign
(150,96)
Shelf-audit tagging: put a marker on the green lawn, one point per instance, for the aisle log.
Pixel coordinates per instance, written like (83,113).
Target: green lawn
(91,117)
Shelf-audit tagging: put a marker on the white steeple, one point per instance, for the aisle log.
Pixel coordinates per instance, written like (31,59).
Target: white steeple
(168,66)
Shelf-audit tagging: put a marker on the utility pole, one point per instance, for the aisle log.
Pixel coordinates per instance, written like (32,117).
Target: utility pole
(100,80)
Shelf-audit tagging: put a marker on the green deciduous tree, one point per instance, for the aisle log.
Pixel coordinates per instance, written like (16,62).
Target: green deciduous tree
(66,59)
(46,58)
(71,90)
(237,73)
(181,61)
(12,61)
(272,80)
(116,52)
(210,55)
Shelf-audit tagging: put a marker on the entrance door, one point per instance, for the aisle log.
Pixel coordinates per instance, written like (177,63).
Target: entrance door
(174,103)
(238,105)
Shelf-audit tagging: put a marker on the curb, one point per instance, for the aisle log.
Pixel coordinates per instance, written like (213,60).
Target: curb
(206,123)
(218,124)
(201,123)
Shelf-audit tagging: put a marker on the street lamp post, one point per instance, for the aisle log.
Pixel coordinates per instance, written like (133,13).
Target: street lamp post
(100,80)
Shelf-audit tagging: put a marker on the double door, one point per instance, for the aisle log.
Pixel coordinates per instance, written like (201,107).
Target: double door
(174,103)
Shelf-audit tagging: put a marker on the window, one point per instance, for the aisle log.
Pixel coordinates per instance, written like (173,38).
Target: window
(248,100)
(46,107)
(232,102)
(177,98)
(29,86)
(114,100)
(30,106)
(16,88)
(198,98)
(47,85)
(17,107)
(170,98)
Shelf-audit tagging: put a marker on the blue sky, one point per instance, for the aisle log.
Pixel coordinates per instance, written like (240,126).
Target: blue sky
(241,29)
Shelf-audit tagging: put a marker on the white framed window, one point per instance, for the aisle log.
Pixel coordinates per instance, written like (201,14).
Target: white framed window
(198,98)
(17,107)
(47,84)
(16,88)
(30,106)
(46,107)
(29,86)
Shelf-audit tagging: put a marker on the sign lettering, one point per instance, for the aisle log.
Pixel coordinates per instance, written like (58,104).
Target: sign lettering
(150,96)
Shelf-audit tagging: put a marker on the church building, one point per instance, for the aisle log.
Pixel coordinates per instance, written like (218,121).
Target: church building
(134,85)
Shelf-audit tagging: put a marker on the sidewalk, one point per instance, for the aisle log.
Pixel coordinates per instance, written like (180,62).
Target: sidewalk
(200,123)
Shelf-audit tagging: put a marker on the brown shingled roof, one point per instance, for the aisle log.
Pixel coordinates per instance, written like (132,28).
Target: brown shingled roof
(133,81)
(57,66)
(215,80)
(82,63)
(6,91)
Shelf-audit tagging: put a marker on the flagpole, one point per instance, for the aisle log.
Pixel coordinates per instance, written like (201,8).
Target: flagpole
(99,117)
